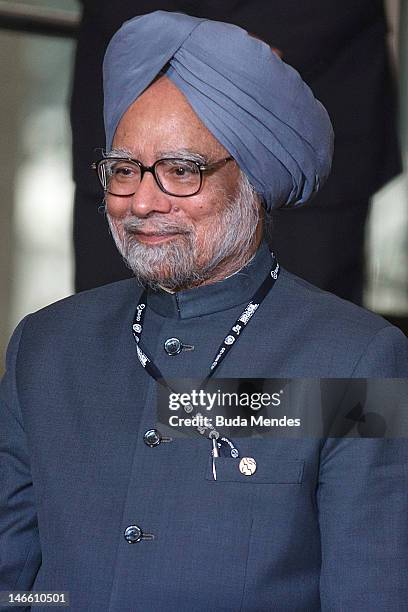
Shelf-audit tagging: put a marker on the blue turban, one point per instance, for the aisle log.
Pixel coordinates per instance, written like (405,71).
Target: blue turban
(254,104)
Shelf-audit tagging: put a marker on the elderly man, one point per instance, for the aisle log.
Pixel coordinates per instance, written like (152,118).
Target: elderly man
(206,130)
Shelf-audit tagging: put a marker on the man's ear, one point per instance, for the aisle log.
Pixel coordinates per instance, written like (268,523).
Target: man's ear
(277,51)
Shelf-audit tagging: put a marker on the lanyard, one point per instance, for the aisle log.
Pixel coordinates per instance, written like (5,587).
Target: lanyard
(229,341)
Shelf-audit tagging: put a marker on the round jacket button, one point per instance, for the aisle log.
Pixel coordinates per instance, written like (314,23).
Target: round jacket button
(173,346)
(152,438)
(133,534)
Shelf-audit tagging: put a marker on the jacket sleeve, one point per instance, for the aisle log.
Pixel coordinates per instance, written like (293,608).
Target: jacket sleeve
(20,553)
(363,508)
(362,502)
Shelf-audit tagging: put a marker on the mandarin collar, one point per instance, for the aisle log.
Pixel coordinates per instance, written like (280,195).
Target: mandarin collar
(208,299)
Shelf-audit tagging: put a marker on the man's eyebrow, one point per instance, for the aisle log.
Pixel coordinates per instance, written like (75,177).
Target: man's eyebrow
(164,154)
(183,153)
(118,152)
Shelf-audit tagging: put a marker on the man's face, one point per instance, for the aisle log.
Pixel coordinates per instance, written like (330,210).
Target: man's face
(172,241)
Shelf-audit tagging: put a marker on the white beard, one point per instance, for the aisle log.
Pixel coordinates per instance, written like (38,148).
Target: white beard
(177,264)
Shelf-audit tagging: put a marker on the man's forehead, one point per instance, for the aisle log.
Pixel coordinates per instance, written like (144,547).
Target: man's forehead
(163,99)
(162,120)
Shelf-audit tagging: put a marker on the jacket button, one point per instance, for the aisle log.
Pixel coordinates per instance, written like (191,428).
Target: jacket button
(173,346)
(152,438)
(133,534)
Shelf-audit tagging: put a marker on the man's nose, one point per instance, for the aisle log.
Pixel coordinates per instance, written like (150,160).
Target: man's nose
(149,197)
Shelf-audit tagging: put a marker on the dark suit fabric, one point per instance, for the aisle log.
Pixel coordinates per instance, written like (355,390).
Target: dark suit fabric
(321,526)
(342,54)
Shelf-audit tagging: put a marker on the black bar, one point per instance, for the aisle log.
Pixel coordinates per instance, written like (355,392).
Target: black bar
(31,20)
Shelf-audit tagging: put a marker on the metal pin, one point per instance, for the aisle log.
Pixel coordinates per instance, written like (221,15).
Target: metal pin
(215,454)
(214,435)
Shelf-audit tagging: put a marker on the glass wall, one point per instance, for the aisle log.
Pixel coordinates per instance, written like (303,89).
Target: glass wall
(35,172)
(387,244)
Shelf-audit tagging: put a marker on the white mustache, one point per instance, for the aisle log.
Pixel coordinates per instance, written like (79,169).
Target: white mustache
(159,227)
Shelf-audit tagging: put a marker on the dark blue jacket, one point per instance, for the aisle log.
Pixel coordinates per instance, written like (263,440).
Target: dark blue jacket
(319,526)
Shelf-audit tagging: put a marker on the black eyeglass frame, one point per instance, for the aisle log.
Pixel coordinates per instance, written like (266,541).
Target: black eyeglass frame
(152,169)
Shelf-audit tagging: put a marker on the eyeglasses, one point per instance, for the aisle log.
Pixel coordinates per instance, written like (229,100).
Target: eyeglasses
(175,176)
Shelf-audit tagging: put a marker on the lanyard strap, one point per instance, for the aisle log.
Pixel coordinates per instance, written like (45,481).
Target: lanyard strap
(226,345)
(228,342)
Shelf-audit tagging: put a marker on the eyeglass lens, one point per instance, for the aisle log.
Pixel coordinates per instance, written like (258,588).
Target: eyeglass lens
(176,176)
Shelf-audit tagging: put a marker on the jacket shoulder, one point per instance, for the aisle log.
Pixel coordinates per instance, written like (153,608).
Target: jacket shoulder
(99,304)
(327,308)
(350,339)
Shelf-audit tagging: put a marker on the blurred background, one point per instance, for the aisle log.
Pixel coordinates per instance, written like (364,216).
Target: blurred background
(37,49)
